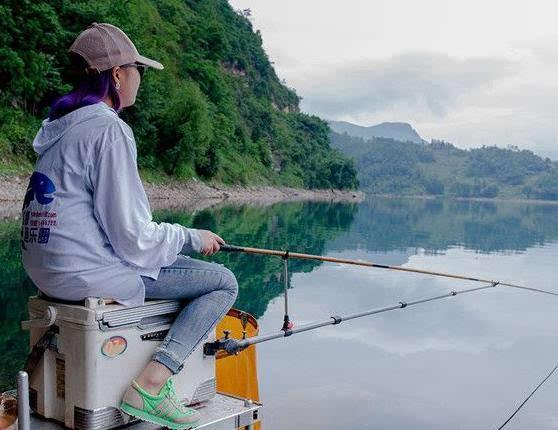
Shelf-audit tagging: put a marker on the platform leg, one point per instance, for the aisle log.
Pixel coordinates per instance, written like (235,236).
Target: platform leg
(23,411)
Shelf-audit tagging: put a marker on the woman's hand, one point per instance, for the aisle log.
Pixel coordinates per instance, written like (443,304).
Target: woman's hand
(211,243)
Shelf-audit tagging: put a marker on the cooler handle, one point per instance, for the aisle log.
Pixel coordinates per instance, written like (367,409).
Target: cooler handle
(47,320)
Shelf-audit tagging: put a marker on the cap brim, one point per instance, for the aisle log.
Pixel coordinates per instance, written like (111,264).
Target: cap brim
(149,62)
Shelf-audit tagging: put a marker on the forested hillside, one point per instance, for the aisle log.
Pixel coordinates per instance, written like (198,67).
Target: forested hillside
(218,111)
(387,166)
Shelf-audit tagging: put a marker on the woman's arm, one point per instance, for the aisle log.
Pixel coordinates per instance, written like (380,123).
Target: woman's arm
(122,210)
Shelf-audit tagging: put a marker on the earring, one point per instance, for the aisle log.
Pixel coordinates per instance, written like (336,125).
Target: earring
(117,86)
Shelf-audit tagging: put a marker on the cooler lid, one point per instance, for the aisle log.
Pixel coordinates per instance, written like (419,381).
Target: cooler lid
(135,315)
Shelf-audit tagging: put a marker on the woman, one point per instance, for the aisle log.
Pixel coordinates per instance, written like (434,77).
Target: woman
(87,228)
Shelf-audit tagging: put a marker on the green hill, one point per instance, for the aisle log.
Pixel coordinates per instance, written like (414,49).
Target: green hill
(387,166)
(218,111)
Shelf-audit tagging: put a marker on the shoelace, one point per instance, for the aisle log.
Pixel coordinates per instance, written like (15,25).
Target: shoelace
(175,400)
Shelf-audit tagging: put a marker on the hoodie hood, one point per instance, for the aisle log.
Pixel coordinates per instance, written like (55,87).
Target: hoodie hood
(51,131)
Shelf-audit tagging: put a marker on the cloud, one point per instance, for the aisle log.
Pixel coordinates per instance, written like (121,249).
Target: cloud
(542,49)
(455,70)
(417,84)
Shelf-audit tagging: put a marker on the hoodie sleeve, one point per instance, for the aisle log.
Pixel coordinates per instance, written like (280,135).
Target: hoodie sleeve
(122,210)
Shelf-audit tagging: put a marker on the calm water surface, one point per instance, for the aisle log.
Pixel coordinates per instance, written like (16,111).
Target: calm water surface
(461,363)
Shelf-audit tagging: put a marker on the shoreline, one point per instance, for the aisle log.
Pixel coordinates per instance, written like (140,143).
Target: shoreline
(192,195)
(465,199)
(196,195)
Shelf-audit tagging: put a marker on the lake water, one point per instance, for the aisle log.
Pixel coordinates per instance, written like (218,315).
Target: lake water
(462,363)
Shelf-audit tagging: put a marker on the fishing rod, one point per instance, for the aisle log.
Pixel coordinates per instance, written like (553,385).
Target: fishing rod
(288,254)
(233,346)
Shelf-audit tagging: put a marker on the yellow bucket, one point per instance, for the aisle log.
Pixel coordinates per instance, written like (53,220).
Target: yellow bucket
(238,374)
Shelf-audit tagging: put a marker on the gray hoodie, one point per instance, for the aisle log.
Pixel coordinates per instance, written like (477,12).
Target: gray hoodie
(87,228)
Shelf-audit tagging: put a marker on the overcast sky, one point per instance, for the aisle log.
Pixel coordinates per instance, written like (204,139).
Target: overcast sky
(476,72)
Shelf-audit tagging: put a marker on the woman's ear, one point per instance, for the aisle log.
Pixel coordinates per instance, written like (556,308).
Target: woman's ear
(116,74)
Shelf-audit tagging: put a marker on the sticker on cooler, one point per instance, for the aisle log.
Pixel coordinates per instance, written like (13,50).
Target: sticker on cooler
(114,346)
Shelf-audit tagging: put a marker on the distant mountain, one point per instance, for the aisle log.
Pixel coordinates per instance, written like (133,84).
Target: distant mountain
(388,166)
(390,130)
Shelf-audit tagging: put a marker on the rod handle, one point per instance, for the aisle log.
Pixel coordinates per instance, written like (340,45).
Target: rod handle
(230,248)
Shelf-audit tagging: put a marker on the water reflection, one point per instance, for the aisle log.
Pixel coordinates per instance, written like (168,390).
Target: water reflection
(435,225)
(460,363)
(305,227)
(464,362)
(15,287)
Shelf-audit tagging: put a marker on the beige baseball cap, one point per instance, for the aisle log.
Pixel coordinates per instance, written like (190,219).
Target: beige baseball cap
(104,46)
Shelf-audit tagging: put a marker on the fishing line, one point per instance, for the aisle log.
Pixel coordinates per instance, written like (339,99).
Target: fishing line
(534,290)
(528,397)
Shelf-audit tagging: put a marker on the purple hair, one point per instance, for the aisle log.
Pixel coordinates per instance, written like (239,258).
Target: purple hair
(90,90)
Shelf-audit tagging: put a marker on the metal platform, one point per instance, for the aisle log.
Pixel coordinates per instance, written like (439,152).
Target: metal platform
(224,412)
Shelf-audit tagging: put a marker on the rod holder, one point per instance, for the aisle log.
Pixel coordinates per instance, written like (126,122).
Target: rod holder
(286,322)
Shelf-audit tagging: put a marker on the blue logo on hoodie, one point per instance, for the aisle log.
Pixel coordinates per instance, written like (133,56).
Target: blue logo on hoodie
(39,186)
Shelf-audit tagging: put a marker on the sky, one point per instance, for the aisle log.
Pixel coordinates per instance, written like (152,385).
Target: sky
(476,72)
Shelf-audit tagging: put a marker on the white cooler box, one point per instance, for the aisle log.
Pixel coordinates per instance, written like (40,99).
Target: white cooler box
(98,350)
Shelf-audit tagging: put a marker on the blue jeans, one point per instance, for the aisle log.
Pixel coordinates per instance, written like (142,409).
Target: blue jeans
(210,290)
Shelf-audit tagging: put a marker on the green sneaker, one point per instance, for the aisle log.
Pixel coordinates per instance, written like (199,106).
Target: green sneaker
(164,409)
